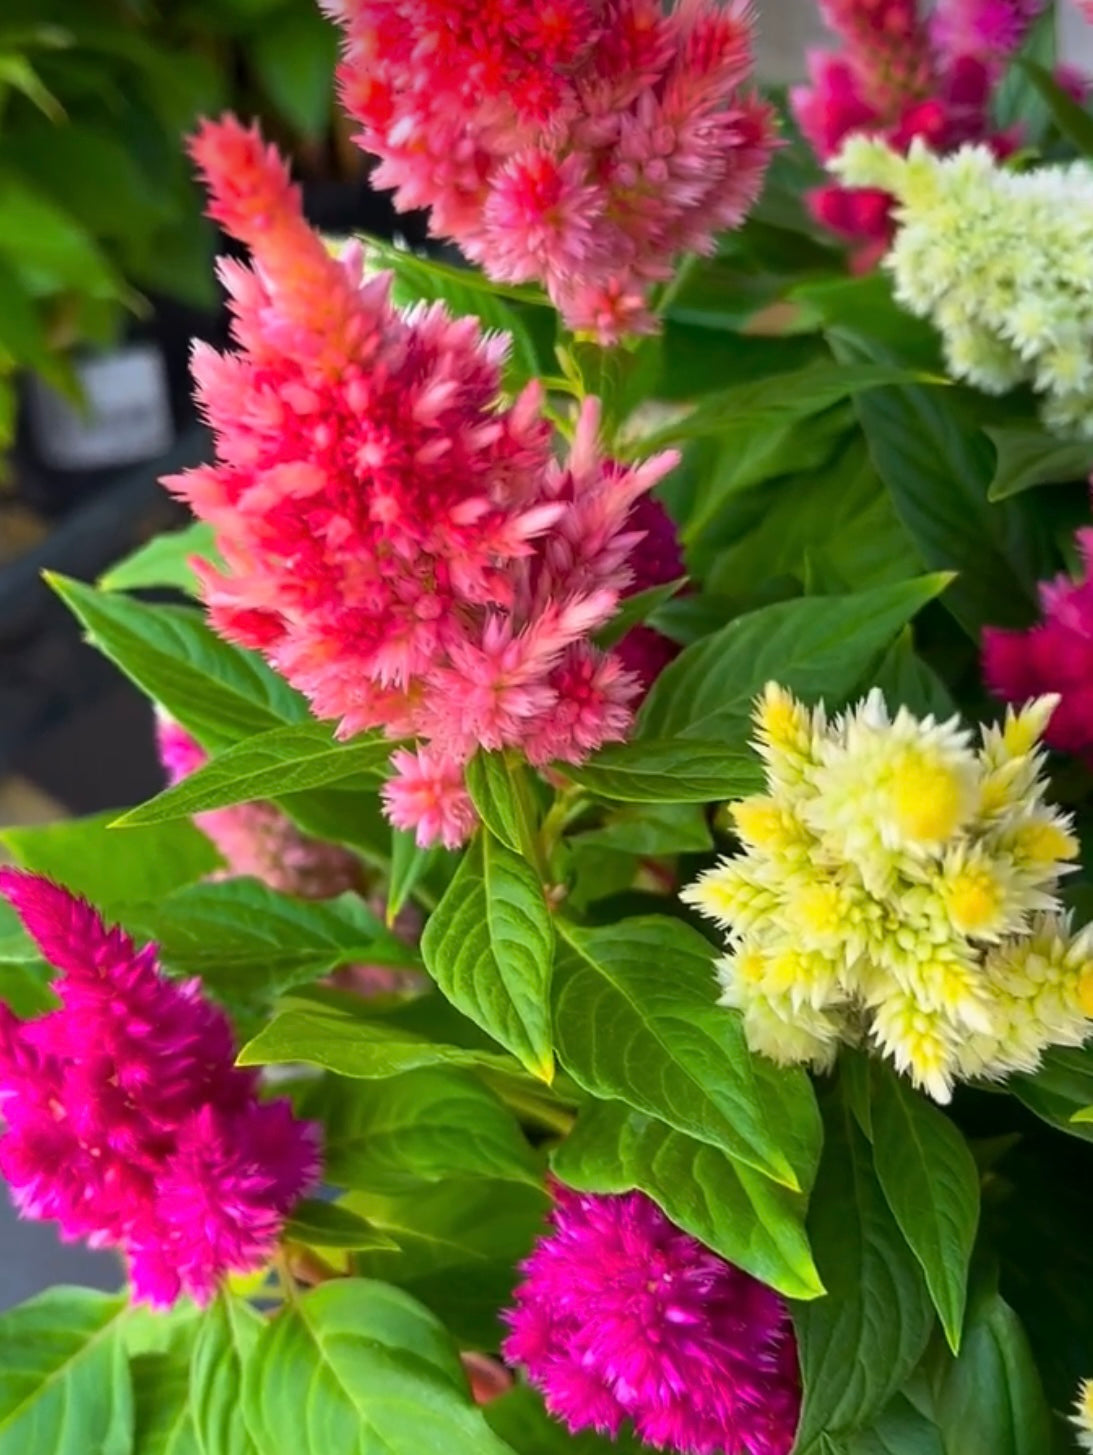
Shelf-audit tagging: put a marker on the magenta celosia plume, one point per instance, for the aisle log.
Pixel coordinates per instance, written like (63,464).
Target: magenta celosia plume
(127,1122)
(902,76)
(581,144)
(257,839)
(623,1317)
(657,560)
(399,544)
(1056,656)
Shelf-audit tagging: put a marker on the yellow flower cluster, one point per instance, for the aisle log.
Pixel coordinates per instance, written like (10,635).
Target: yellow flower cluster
(898,885)
(1082,1418)
(1000,261)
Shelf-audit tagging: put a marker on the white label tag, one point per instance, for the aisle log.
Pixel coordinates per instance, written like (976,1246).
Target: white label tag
(127,417)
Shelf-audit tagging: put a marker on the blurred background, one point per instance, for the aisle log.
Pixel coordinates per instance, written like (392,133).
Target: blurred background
(105,276)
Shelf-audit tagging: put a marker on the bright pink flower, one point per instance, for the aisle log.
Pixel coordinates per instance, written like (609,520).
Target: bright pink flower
(582,144)
(257,840)
(404,549)
(903,77)
(624,1317)
(427,796)
(127,1121)
(1056,655)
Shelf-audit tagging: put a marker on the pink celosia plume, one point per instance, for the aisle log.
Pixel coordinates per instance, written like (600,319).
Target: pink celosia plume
(257,839)
(1055,656)
(581,144)
(127,1121)
(904,77)
(623,1317)
(399,544)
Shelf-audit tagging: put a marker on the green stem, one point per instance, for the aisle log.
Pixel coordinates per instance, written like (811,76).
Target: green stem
(673,289)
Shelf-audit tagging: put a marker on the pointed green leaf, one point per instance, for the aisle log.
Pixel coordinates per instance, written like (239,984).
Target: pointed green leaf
(489,945)
(748,1219)
(859,1343)
(1061,1090)
(635,609)
(226,1339)
(360,1368)
(328,1225)
(491,782)
(160,1371)
(520,1418)
(636,1020)
(1029,456)
(163,561)
(64,1376)
(931,1182)
(669,770)
(283,760)
(426,1126)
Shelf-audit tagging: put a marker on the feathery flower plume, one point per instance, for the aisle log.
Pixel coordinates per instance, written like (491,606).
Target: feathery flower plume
(901,78)
(1082,1418)
(657,560)
(896,885)
(621,1316)
(1054,656)
(581,144)
(257,840)
(1000,262)
(400,545)
(127,1121)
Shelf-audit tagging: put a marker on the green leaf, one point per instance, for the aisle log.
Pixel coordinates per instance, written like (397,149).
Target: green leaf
(226,1339)
(500,798)
(907,681)
(489,946)
(1073,120)
(160,1370)
(48,246)
(651,829)
(426,1126)
(282,761)
(901,1430)
(520,1418)
(990,1400)
(459,1247)
(633,610)
(780,397)
(818,647)
(669,769)
(636,1020)
(249,944)
(359,1367)
(1029,456)
(111,869)
(355,1045)
(329,1225)
(727,1205)
(24,975)
(1060,1090)
(64,1376)
(163,561)
(859,1343)
(931,1182)
(410,864)
(294,54)
(937,464)
(219,693)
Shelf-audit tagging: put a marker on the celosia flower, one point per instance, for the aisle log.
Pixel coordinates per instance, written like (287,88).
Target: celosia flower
(900,77)
(1001,262)
(1082,1418)
(582,144)
(656,560)
(622,1316)
(1055,656)
(401,546)
(127,1121)
(257,839)
(898,886)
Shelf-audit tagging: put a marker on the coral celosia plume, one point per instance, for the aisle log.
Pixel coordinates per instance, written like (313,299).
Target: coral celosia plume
(1055,656)
(398,543)
(583,144)
(257,839)
(896,886)
(901,77)
(624,1317)
(127,1121)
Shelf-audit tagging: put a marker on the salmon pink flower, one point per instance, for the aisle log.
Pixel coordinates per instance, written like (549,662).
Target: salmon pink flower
(127,1121)
(621,1316)
(580,144)
(399,544)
